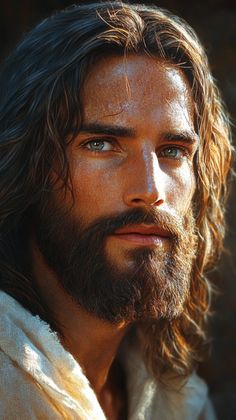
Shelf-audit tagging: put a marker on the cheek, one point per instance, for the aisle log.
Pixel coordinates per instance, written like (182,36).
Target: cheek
(181,189)
(96,192)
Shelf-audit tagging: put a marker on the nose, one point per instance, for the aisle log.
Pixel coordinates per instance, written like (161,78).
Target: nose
(145,182)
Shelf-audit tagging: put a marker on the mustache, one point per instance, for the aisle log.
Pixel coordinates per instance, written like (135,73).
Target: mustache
(108,225)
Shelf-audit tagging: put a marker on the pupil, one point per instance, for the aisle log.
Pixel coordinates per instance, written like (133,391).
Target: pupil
(98,145)
(172,152)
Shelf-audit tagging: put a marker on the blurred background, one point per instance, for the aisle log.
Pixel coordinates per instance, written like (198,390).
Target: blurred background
(215,23)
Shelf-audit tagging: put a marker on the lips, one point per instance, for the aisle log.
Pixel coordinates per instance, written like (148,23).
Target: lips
(143,235)
(146,230)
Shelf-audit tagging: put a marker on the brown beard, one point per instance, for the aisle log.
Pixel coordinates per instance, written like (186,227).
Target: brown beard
(155,286)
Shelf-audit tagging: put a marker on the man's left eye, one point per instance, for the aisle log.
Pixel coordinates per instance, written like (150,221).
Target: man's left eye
(98,145)
(173,152)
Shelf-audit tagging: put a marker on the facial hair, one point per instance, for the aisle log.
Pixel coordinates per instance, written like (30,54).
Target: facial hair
(155,285)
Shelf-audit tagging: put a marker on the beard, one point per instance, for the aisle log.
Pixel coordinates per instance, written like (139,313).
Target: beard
(155,284)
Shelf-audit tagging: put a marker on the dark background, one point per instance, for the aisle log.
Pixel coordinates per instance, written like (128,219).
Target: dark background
(215,23)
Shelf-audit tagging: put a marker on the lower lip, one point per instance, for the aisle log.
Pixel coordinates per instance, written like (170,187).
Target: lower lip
(143,240)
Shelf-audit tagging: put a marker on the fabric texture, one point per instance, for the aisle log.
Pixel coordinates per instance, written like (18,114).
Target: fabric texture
(39,379)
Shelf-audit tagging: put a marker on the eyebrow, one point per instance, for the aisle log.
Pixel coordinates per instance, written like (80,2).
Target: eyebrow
(185,136)
(112,130)
(190,137)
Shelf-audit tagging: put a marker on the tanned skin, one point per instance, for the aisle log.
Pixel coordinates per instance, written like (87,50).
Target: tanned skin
(146,162)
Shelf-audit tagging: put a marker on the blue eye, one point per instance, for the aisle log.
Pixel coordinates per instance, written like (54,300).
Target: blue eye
(172,152)
(98,145)
(95,145)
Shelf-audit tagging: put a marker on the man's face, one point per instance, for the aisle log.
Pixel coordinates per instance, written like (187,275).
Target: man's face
(123,247)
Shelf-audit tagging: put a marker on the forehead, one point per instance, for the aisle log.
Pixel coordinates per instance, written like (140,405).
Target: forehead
(136,85)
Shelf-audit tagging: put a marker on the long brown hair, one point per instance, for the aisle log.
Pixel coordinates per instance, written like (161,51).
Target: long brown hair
(40,109)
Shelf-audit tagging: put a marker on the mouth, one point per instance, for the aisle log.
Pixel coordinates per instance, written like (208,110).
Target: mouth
(143,235)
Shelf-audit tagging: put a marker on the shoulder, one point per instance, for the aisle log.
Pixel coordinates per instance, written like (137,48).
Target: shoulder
(182,398)
(192,398)
(20,396)
(173,397)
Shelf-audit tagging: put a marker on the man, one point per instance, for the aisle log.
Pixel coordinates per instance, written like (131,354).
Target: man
(114,157)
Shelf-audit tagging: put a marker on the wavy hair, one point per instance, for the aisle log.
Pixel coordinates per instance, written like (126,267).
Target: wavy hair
(40,109)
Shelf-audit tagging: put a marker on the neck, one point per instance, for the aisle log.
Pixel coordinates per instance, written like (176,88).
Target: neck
(94,343)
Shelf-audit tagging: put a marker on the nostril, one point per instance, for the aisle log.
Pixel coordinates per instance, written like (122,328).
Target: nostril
(159,202)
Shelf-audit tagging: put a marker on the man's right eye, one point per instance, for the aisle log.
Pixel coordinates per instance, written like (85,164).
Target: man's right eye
(99,145)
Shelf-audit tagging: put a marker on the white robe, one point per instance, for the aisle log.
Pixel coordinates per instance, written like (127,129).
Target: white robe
(39,379)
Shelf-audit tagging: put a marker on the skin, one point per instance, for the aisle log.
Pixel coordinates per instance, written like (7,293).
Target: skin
(146,159)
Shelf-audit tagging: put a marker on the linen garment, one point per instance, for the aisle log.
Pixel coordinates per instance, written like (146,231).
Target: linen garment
(39,379)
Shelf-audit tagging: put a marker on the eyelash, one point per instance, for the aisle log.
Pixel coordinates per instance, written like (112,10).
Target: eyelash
(184,151)
(97,140)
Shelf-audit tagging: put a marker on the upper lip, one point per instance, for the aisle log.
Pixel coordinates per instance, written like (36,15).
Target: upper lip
(143,230)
